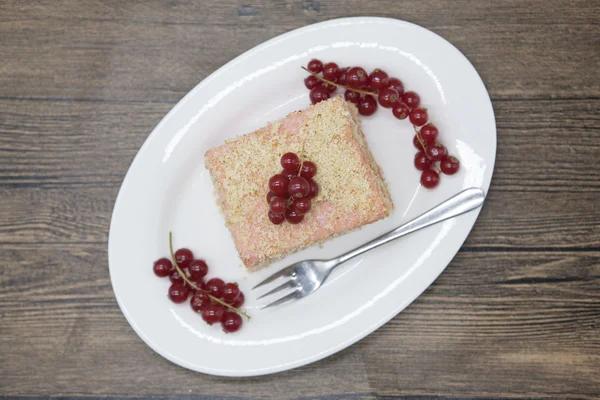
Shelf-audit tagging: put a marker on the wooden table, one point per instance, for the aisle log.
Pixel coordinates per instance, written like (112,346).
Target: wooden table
(515,315)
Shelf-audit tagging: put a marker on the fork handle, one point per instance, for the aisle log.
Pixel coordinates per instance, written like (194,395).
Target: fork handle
(465,201)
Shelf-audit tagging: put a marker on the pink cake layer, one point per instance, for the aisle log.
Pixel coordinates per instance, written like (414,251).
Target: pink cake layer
(352,190)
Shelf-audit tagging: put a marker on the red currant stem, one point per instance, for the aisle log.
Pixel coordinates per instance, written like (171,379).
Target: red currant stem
(192,284)
(337,84)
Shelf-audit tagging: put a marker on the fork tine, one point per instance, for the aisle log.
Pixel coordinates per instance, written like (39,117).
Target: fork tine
(287,285)
(271,278)
(284,299)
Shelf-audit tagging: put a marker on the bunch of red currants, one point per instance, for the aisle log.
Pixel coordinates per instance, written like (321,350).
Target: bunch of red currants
(362,89)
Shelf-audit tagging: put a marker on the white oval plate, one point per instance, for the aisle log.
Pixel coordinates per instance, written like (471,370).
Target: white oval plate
(167,189)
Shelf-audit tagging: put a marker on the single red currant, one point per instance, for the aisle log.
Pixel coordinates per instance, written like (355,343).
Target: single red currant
(293,217)
(430,178)
(309,169)
(331,71)
(388,97)
(215,287)
(400,110)
(174,277)
(162,267)
(289,175)
(314,189)
(396,84)
(311,81)
(411,99)
(342,79)
(330,88)
(367,105)
(198,269)
(278,184)
(301,206)
(418,145)
(270,195)
(319,94)
(278,205)
(356,77)
(178,293)
(230,292)
(436,151)
(418,116)
(429,133)
(449,165)
(378,79)
(183,258)
(232,322)
(277,219)
(298,187)
(315,66)
(290,162)
(421,161)
(199,300)
(352,96)
(239,301)
(213,313)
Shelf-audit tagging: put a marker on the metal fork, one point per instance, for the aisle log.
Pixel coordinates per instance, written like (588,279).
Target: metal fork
(307,276)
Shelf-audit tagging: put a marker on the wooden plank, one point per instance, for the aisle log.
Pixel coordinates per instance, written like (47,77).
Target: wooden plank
(504,324)
(160,50)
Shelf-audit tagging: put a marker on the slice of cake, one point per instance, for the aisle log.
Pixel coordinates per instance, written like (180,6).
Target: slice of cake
(352,192)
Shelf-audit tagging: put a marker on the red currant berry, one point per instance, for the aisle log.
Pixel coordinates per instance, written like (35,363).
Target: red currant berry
(352,96)
(421,161)
(301,206)
(430,178)
(178,293)
(342,79)
(429,133)
(230,292)
(270,195)
(418,116)
(436,152)
(198,269)
(400,110)
(293,217)
(298,187)
(232,322)
(315,66)
(199,300)
(378,79)
(162,267)
(290,162)
(311,81)
(174,277)
(330,88)
(289,175)
(331,71)
(367,105)
(309,169)
(213,313)
(396,84)
(239,301)
(356,77)
(318,94)
(449,165)
(277,219)
(215,287)
(183,258)
(278,184)
(388,97)
(199,282)
(418,144)
(314,189)
(411,99)
(278,205)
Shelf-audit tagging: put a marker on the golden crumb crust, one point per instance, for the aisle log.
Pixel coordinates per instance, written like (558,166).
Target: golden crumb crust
(352,190)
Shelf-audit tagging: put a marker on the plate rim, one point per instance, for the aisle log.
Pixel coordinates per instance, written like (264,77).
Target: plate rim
(240,58)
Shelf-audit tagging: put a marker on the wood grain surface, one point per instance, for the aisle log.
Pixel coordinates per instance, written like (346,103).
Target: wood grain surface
(516,314)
